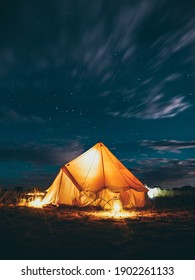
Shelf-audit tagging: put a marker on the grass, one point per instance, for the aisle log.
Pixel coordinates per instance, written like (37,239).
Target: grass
(163,230)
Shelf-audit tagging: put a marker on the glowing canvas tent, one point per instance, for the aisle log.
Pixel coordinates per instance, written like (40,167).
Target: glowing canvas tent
(96,177)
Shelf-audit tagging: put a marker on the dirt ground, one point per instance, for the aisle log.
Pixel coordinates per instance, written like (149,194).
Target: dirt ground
(70,233)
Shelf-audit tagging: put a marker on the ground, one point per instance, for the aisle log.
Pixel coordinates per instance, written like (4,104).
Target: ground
(71,233)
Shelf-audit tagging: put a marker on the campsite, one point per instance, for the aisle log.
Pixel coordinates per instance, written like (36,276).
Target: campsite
(97,209)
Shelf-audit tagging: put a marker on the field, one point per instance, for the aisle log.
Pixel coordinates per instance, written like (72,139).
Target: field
(71,233)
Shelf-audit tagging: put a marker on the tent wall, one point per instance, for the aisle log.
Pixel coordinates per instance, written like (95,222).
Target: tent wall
(132,198)
(68,194)
(62,191)
(52,191)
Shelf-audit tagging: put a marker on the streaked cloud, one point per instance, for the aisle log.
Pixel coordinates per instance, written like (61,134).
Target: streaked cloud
(153,106)
(100,50)
(173,146)
(49,154)
(173,77)
(171,43)
(9,115)
(159,109)
(166,172)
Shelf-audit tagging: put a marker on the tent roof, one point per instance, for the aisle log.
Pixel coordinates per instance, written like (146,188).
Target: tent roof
(98,169)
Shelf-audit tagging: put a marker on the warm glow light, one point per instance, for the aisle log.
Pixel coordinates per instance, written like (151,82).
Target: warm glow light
(111,214)
(91,169)
(35,193)
(125,214)
(37,203)
(93,156)
(117,206)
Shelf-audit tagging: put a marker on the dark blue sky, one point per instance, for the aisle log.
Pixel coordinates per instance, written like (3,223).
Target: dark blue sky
(73,73)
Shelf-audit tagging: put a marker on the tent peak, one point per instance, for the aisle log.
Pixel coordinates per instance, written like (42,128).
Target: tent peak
(100,143)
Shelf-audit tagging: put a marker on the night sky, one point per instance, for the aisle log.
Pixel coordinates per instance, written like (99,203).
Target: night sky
(73,73)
